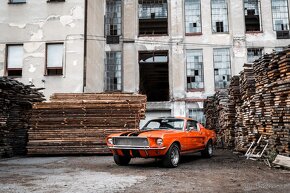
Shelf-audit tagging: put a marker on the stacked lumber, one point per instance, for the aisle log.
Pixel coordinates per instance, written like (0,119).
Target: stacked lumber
(246,130)
(80,123)
(16,102)
(234,101)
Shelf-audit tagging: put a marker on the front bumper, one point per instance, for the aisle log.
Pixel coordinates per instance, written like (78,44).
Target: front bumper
(136,148)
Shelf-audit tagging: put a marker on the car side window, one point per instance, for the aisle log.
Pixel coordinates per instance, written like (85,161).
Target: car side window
(192,125)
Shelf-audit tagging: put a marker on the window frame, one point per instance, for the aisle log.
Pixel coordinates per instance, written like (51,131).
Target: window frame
(260,17)
(202,69)
(7,62)
(227,16)
(200,15)
(273,24)
(107,86)
(261,49)
(46,73)
(113,23)
(230,67)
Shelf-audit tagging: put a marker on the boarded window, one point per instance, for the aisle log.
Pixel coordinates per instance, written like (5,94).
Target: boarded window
(113,20)
(194,69)
(153,17)
(254,54)
(113,71)
(280,15)
(252,15)
(14,60)
(54,59)
(219,16)
(192,16)
(222,70)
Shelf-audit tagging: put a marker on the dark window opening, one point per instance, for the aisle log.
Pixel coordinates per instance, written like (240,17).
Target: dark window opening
(154,79)
(16,1)
(252,15)
(153,17)
(54,71)
(14,72)
(219,27)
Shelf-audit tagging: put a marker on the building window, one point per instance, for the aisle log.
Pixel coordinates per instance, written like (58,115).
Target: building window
(54,59)
(252,15)
(113,21)
(192,16)
(219,16)
(55,1)
(14,60)
(280,49)
(153,17)
(17,1)
(254,54)
(194,69)
(113,71)
(197,114)
(280,15)
(222,67)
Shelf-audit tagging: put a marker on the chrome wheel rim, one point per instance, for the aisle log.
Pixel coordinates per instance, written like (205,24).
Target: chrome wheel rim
(210,150)
(174,156)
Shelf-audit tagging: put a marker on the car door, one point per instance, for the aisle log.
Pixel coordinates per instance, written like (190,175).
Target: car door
(195,139)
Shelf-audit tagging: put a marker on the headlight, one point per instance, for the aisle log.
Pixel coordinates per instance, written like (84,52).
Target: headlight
(110,141)
(159,141)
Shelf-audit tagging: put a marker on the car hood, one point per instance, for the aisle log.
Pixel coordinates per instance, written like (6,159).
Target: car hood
(151,133)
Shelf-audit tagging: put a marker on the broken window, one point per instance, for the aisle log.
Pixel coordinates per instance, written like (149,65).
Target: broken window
(14,60)
(153,17)
(54,59)
(194,69)
(222,67)
(280,15)
(197,114)
(17,1)
(113,71)
(192,16)
(219,16)
(113,21)
(154,80)
(254,54)
(252,15)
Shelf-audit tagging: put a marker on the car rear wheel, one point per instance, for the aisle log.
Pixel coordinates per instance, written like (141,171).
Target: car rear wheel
(208,151)
(121,160)
(172,157)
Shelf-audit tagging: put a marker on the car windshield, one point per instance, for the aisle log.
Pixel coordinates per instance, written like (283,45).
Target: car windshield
(164,124)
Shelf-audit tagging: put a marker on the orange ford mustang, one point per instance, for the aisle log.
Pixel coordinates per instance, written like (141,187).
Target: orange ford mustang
(166,138)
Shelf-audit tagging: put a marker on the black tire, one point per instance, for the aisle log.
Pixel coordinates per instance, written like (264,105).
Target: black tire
(121,160)
(208,151)
(172,157)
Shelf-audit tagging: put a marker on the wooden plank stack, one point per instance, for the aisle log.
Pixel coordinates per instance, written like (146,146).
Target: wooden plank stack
(262,107)
(16,102)
(80,123)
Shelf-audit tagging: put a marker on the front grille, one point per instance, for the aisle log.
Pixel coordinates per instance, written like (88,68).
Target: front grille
(131,141)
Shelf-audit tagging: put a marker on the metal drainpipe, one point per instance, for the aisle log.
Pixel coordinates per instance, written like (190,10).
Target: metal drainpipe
(85,46)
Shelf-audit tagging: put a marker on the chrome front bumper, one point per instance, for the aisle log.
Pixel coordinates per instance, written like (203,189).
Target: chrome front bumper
(136,148)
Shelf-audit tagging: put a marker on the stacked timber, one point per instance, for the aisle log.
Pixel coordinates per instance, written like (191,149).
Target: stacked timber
(16,102)
(234,101)
(80,123)
(246,132)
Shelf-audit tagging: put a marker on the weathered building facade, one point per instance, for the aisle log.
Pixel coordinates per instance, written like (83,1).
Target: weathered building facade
(177,52)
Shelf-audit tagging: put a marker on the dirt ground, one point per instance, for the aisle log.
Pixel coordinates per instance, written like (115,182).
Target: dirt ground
(225,172)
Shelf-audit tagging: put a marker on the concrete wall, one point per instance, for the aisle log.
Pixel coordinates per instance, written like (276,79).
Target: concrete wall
(36,23)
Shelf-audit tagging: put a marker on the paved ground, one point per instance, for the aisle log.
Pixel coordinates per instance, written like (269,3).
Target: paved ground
(225,172)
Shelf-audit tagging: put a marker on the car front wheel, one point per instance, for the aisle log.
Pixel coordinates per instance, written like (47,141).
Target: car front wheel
(208,151)
(172,156)
(121,160)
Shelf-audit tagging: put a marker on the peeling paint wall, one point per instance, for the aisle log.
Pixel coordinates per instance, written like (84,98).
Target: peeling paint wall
(36,23)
